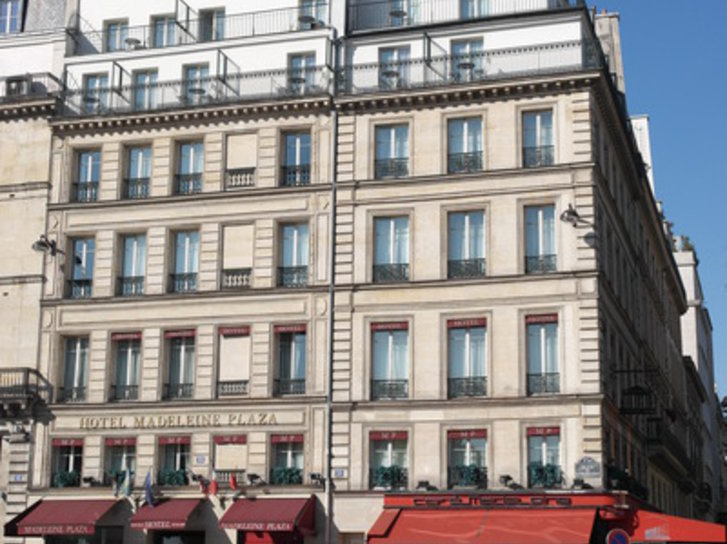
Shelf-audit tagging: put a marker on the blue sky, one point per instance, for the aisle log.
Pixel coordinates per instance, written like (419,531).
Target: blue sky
(675,59)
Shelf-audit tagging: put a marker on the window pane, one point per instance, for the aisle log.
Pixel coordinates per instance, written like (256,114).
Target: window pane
(401,240)
(285,355)
(456,136)
(477,352)
(548,243)
(400,355)
(552,446)
(457,366)
(298,370)
(456,236)
(534,349)
(381,355)
(382,233)
(535,449)
(383,142)
(551,348)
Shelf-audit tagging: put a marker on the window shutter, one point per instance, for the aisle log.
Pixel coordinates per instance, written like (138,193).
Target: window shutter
(241,151)
(238,241)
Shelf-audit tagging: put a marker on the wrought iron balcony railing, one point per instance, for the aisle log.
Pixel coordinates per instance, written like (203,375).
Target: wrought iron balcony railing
(173,477)
(622,480)
(366,15)
(537,264)
(22,385)
(183,283)
(467,476)
(389,389)
(544,475)
(174,391)
(397,167)
(79,288)
(124,392)
(663,442)
(288,386)
(389,478)
(543,383)
(136,188)
(187,184)
(292,276)
(543,155)
(239,25)
(27,87)
(294,175)
(464,162)
(231,388)
(286,476)
(65,478)
(236,278)
(467,387)
(466,268)
(85,191)
(385,273)
(71,394)
(209,91)
(239,178)
(130,286)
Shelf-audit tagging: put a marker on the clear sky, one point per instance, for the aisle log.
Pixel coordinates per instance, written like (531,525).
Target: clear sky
(675,59)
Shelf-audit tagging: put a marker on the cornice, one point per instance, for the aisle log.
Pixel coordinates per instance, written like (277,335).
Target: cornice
(44,107)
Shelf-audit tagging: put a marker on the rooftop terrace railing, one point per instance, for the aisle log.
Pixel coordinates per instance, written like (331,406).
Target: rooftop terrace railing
(24,87)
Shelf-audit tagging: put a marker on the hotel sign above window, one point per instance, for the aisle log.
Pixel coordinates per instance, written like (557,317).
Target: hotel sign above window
(179,421)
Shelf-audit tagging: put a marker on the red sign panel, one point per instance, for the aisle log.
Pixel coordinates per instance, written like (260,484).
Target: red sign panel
(390,326)
(189,333)
(234,331)
(119,336)
(542,319)
(171,440)
(261,527)
(231,439)
(59,442)
(123,441)
(286,439)
(299,327)
(543,431)
(465,435)
(387,435)
(466,323)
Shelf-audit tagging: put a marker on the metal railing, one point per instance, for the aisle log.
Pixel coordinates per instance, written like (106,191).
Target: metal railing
(79,288)
(543,383)
(130,286)
(22,384)
(466,268)
(464,162)
(389,389)
(85,191)
(124,392)
(71,394)
(231,388)
(286,476)
(378,14)
(183,283)
(173,477)
(552,58)
(224,476)
(467,476)
(65,478)
(239,178)
(236,278)
(543,155)
(25,87)
(294,175)
(117,477)
(544,475)
(239,25)
(384,273)
(393,477)
(178,391)
(391,168)
(288,386)
(166,95)
(536,264)
(467,387)
(292,276)
(136,188)
(660,435)
(187,184)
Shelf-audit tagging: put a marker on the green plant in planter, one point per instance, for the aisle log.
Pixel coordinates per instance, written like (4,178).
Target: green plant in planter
(66,479)
(286,476)
(173,477)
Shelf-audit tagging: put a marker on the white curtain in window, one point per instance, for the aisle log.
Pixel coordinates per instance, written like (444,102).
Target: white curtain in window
(181,361)
(391,355)
(75,363)
(134,256)
(128,362)
(295,245)
(186,252)
(392,240)
(540,230)
(466,236)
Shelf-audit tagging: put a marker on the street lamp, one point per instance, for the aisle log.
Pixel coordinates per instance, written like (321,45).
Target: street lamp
(44,245)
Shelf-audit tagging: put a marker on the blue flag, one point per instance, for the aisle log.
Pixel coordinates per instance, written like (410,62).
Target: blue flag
(148,495)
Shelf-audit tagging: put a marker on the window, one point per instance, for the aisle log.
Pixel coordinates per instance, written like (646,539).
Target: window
(388,460)
(88,174)
(165,27)
(128,366)
(180,369)
(186,262)
(196,83)
(538,149)
(293,269)
(80,284)
(467,60)
(394,67)
(290,379)
(296,161)
(544,457)
(287,462)
(390,361)
(67,462)
(472,9)
(230,458)
(467,458)
(190,165)
(466,245)
(117,33)
(10,19)
(391,251)
(174,455)
(540,253)
(75,370)
(542,354)
(237,245)
(95,93)
(392,151)
(234,361)
(312,14)
(211,25)
(120,459)
(302,73)
(400,12)
(133,266)
(138,172)
(467,357)
(146,91)
(464,140)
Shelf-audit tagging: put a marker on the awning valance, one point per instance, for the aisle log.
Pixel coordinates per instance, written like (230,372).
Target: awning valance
(166,514)
(271,515)
(60,517)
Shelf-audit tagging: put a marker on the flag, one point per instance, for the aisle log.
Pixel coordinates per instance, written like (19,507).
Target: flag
(126,485)
(214,486)
(203,485)
(148,495)
(233,481)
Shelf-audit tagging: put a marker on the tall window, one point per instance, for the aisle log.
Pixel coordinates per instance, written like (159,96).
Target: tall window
(186,262)
(234,361)
(165,29)
(542,354)
(296,161)
(392,151)
(138,172)
(540,253)
(400,12)
(190,165)
(10,19)
(80,284)
(88,174)
(388,460)
(196,83)
(466,245)
(291,341)
(128,366)
(391,249)
(146,91)
(390,361)
(174,455)
(467,60)
(211,25)
(75,370)
(538,148)
(120,458)
(544,457)
(294,249)
(472,9)
(464,138)
(467,458)
(133,266)
(117,33)
(312,14)
(180,370)
(302,73)
(467,357)
(67,462)
(394,67)
(95,93)
(287,461)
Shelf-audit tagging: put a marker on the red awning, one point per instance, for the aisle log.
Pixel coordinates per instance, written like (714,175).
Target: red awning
(271,515)
(168,514)
(69,517)
(655,527)
(426,526)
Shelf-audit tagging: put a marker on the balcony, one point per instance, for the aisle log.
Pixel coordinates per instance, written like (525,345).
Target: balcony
(286,476)
(85,191)
(117,477)
(666,449)
(466,268)
(287,386)
(64,478)
(391,168)
(540,264)
(371,15)
(622,480)
(79,288)
(130,286)
(543,155)
(467,387)
(69,395)
(467,476)
(292,276)
(20,389)
(28,87)
(121,393)
(239,178)
(136,188)
(543,383)
(458,163)
(187,184)
(389,478)
(295,175)
(493,65)
(178,391)
(389,273)
(173,477)
(544,475)
(224,476)
(242,25)
(232,388)
(389,389)
(183,283)
(236,278)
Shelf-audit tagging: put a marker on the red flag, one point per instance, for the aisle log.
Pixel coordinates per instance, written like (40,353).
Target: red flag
(233,481)
(213,487)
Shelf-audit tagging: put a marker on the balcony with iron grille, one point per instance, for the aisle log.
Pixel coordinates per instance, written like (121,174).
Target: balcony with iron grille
(183,283)
(236,278)
(389,389)
(539,384)
(116,478)
(390,478)
(467,387)
(69,395)
(21,88)
(136,188)
(294,175)
(534,157)
(288,386)
(286,476)
(187,184)
(65,478)
(547,476)
(458,163)
(178,391)
(389,273)
(292,276)
(466,268)
(130,286)
(173,477)
(85,191)
(665,448)
(20,390)
(239,178)
(120,393)
(79,289)
(232,388)
(468,476)
(397,167)
(540,264)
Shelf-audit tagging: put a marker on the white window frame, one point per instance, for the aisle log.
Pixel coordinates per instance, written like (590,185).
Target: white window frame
(77,362)
(13,6)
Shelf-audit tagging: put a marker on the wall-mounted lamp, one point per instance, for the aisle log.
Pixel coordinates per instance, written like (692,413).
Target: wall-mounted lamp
(44,245)
(572,216)
(317,478)
(255,480)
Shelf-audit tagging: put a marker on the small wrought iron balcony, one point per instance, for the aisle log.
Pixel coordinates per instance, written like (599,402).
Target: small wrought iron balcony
(539,264)
(71,394)
(64,478)
(467,387)
(544,475)
(188,184)
(466,268)
(183,283)
(397,167)
(543,383)
(239,178)
(22,387)
(124,392)
(288,386)
(543,155)
(286,476)
(85,191)
(175,391)
(130,286)
(236,278)
(389,389)
(173,477)
(79,288)
(136,188)
(232,388)
(393,272)
(464,162)
(467,476)
(224,475)
(292,276)
(295,175)
(389,478)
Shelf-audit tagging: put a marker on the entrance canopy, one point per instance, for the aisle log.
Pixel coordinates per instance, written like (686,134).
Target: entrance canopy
(59,517)
(271,516)
(170,514)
